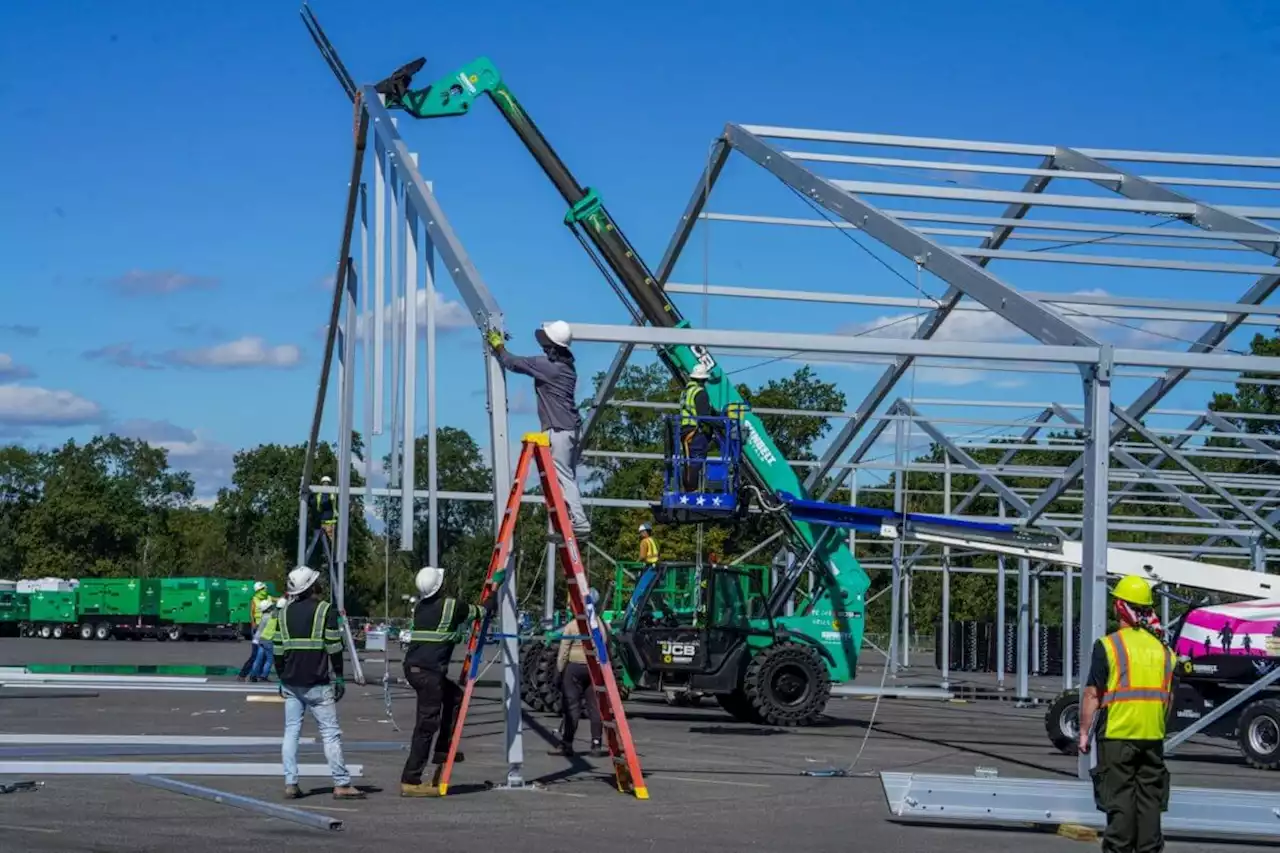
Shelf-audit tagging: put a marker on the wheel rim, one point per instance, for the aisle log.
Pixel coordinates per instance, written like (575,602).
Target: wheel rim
(1069,721)
(790,685)
(1264,735)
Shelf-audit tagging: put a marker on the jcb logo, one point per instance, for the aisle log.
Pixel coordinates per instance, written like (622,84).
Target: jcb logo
(678,650)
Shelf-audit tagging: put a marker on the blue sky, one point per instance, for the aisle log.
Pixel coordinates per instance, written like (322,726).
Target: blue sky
(176,173)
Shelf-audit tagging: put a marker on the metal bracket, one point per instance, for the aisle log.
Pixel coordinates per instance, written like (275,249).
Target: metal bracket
(584,208)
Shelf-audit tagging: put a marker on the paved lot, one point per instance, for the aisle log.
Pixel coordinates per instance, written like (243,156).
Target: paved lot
(716,785)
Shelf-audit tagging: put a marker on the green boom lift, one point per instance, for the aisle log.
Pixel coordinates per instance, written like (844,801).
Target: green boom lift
(771,665)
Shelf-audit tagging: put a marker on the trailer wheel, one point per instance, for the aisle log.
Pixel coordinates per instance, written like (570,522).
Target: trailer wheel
(58,632)
(1062,723)
(1259,734)
(86,631)
(788,685)
(173,632)
(45,631)
(102,631)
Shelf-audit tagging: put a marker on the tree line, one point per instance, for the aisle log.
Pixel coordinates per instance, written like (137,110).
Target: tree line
(113,506)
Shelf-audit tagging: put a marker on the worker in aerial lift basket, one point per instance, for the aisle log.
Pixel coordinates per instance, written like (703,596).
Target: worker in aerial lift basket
(648,545)
(1126,702)
(437,627)
(695,434)
(555,384)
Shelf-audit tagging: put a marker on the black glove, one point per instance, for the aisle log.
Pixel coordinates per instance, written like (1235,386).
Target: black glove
(339,689)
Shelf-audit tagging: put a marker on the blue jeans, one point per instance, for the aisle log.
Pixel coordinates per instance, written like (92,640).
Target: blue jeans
(324,708)
(262,658)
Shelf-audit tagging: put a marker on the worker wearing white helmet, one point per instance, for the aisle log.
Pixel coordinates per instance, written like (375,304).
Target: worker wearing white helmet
(326,510)
(438,623)
(257,611)
(308,657)
(648,545)
(555,384)
(695,432)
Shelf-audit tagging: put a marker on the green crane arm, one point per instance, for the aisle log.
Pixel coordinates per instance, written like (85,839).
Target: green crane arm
(453,96)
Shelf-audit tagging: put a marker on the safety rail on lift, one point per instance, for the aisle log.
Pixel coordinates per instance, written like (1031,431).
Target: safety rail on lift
(707,488)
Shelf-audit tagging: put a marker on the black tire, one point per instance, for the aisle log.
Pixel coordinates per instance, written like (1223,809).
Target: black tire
(45,631)
(173,632)
(547,681)
(738,706)
(86,631)
(615,663)
(58,632)
(1258,734)
(1062,723)
(788,685)
(102,631)
(530,653)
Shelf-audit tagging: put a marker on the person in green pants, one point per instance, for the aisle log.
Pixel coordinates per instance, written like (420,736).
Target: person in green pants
(1126,703)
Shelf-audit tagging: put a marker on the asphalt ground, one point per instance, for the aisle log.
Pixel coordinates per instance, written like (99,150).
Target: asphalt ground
(715,784)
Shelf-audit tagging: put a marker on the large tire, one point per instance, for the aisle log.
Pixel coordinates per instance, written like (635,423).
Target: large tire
(1062,723)
(58,632)
(86,631)
(788,685)
(1259,734)
(615,663)
(530,653)
(102,631)
(547,681)
(45,631)
(738,706)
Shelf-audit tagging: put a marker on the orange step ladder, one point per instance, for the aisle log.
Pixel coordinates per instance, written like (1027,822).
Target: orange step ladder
(626,764)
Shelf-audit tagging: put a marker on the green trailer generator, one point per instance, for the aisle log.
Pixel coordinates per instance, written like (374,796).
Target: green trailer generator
(15,611)
(195,607)
(53,613)
(118,607)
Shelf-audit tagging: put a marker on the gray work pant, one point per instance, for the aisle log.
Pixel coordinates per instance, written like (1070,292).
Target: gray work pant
(564,451)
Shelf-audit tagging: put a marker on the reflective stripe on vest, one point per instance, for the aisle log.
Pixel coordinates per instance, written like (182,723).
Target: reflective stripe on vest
(442,633)
(649,550)
(688,409)
(321,638)
(1139,685)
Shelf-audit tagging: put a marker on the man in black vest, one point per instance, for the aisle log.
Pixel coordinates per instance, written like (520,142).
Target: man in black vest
(437,627)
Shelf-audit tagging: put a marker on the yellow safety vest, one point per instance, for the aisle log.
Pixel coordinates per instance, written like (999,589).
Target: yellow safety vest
(688,410)
(1139,685)
(272,627)
(649,550)
(320,639)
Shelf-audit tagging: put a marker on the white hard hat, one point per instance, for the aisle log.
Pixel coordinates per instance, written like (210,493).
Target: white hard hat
(258,585)
(325,479)
(429,580)
(281,602)
(558,332)
(301,579)
(700,372)
(645,527)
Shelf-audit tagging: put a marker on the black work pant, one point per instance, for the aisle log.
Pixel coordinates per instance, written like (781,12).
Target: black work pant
(438,701)
(577,690)
(1131,785)
(696,443)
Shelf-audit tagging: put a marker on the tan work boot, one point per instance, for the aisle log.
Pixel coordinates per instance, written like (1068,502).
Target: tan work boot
(292,792)
(422,789)
(348,792)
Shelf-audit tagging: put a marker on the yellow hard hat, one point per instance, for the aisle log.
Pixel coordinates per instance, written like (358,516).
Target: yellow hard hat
(1134,590)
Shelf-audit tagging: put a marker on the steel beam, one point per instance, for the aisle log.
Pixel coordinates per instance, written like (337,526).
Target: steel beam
(165,768)
(927,329)
(1093,557)
(240,801)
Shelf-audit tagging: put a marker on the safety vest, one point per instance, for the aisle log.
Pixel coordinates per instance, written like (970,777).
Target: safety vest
(688,408)
(270,629)
(320,639)
(1139,685)
(444,632)
(321,511)
(649,550)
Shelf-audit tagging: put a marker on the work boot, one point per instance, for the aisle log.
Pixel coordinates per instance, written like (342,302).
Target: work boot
(442,757)
(598,750)
(347,792)
(582,535)
(240,678)
(292,792)
(422,789)
(562,750)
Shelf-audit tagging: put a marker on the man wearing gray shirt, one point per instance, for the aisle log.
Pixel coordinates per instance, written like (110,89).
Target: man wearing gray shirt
(555,384)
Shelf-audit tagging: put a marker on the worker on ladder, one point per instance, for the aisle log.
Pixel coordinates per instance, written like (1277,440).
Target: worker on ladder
(695,434)
(648,545)
(555,384)
(1126,701)
(437,628)
(326,512)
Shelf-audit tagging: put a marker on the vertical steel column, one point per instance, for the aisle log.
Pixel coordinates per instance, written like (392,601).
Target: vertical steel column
(853,501)
(366,345)
(944,636)
(408,477)
(899,506)
(1035,623)
(347,379)
(1000,614)
(549,581)
(379,279)
(433,462)
(1068,626)
(1024,618)
(1257,553)
(396,323)
(1164,610)
(1093,569)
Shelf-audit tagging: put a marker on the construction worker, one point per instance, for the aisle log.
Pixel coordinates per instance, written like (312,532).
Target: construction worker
(437,628)
(308,658)
(648,545)
(575,682)
(1126,701)
(257,608)
(264,640)
(695,435)
(555,383)
(326,510)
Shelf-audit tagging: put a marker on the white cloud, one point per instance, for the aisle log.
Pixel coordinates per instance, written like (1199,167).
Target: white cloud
(29,405)
(450,314)
(209,462)
(11,370)
(243,352)
(156,282)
